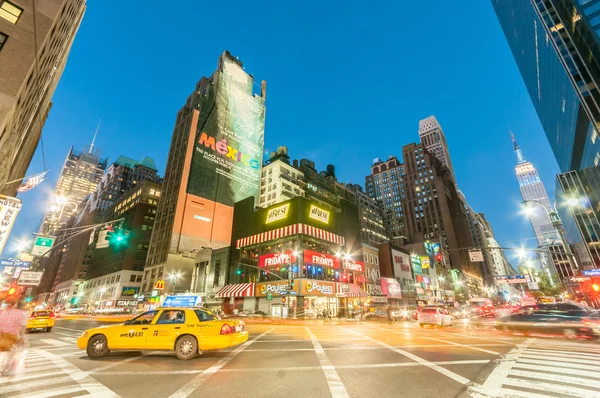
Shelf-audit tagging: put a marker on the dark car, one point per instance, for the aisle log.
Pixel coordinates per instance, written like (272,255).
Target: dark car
(568,319)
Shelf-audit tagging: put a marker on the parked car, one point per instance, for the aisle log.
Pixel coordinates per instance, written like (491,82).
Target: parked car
(435,316)
(569,319)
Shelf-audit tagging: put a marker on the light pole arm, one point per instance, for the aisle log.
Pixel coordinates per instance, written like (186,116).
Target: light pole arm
(548,211)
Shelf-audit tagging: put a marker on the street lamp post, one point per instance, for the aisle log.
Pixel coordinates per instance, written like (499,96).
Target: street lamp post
(174,278)
(557,224)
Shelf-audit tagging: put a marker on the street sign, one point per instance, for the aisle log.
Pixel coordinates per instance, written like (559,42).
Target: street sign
(15,263)
(591,272)
(510,279)
(269,296)
(42,244)
(9,208)
(476,256)
(30,278)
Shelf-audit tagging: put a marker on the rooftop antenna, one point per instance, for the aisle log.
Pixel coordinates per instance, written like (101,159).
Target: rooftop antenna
(95,134)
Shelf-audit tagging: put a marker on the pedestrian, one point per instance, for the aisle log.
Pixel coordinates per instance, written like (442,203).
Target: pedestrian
(389,315)
(12,328)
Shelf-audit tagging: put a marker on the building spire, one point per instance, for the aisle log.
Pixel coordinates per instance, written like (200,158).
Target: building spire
(520,158)
(95,134)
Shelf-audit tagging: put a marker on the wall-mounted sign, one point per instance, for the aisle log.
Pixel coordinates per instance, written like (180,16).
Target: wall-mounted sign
(319,214)
(275,287)
(356,266)
(391,288)
(317,288)
(277,213)
(425,262)
(129,291)
(321,259)
(416,264)
(159,285)
(30,278)
(9,208)
(274,259)
(512,279)
(580,279)
(127,303)
(591,272)
(476,256)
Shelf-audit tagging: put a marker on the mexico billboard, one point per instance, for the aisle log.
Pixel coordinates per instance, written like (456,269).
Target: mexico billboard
(226,162)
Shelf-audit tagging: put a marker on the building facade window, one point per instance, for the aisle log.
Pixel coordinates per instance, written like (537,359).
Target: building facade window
(9,11)
(3,39)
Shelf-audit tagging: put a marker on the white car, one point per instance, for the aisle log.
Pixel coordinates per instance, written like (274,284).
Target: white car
(434,316)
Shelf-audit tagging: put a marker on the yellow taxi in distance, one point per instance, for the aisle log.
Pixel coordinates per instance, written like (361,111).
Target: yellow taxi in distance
(187,331)
(42,319)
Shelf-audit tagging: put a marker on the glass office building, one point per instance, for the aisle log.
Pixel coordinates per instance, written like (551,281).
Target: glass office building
(556,46)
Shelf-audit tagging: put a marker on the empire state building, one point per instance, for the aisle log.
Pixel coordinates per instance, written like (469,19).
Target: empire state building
(532,188)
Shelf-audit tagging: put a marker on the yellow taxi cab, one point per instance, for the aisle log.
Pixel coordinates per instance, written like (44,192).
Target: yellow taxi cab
(187,331)
(42,319)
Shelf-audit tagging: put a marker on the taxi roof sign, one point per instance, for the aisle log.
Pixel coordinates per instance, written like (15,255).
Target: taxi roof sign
(182,301)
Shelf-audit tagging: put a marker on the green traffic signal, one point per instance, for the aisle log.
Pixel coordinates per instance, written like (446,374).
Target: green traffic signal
(28,299)
(239,271)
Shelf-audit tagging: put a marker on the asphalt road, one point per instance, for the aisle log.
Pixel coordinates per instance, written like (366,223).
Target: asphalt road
(319,360)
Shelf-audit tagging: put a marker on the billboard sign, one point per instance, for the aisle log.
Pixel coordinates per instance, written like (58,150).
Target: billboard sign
(129,291)
(401,265)
(425,262)
(42,245)
(391,288)
(512,279)
(9,208)
(356,266)
(228,149)
(415,260)
(30,278)
(321,259)
(182,301)
(275,259)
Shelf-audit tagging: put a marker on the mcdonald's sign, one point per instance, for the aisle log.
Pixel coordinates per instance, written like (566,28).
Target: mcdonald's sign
(159,285)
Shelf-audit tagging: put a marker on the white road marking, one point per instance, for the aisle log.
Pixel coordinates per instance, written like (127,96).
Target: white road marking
(197,381)
(52,393)
(336,387)
(82,378)
(563,364)
(73,330)
(33,384)
(67,334)
(454,376)
(31,376)
(510,393)
(442,341)
(556,377)
(293,368)
(571,354)
(555,388)
(124,361)
(55,343)
(557,369)
(550,357)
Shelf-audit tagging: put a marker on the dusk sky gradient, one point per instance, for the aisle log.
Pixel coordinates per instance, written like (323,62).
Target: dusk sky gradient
(347,82)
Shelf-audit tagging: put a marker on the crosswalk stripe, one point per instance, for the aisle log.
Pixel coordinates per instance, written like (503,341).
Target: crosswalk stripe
(52,393)
(30,369)
(565,364)
(510,393)
(558,378)
(55,342)
(29,376)
(34,384)
(563,354)
(557,369)
(555,388)
(560,359)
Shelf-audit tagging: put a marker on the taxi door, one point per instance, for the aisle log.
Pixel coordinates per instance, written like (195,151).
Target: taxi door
(162,334)
(132,335)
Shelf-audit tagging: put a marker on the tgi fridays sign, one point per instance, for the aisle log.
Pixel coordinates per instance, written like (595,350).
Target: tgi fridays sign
(274,259)
(321,259)
(354,266)
(9,208)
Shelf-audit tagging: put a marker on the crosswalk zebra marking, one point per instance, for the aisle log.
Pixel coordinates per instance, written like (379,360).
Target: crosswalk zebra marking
(55,342)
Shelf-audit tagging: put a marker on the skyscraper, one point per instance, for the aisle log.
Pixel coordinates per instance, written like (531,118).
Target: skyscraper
(214,161)
(532,188)
(555,44)
(434,139)
(79,177)
(35,41)
(384,185)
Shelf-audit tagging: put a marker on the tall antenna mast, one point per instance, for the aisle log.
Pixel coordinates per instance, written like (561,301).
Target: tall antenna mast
(95,134)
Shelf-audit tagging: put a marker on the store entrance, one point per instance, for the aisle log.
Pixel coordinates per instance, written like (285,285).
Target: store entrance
(320,307)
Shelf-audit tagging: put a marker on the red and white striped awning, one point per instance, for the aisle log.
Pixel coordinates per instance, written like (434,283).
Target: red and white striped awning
(237,290)
(290,230)
(355,290)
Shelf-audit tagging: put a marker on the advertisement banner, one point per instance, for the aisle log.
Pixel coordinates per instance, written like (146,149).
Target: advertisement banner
(182,301)
(401,265)
(277,213)
(354,266)
(316,213)
(425,262)
(317,288)
(391,288)
(275,288)
(274,259)
(129,291)
(321,259)
(9,208)
(42,245)
(416,264)
(229,145)
(435,248)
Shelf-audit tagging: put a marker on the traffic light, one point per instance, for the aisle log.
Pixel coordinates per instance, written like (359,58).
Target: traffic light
(438,259)
(28,299)
(239,271)
(596,287)
(12,291)
(117,237)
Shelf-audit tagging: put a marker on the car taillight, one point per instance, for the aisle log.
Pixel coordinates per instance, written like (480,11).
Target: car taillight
(31,318)
(51,315)
(594,321)
(226,329)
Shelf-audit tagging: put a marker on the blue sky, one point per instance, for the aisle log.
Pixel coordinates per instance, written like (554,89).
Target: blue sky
(347,82)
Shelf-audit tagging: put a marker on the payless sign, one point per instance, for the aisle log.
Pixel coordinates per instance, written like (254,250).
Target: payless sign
(319,214)
(277,213)
(263,288)
(318,288)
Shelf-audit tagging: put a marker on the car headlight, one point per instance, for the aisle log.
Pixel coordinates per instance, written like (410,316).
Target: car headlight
(404,313)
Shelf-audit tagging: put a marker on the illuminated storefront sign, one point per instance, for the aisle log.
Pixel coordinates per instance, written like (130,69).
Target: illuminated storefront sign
(425,262)
(319,214)
(276,287)
(277,213)
(391,288)
(354,266)
(129,291)
(320,259)
(317,288)
(272,259)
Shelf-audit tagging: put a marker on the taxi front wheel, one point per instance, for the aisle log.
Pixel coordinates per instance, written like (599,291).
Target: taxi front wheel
(186,348)
(97,347)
